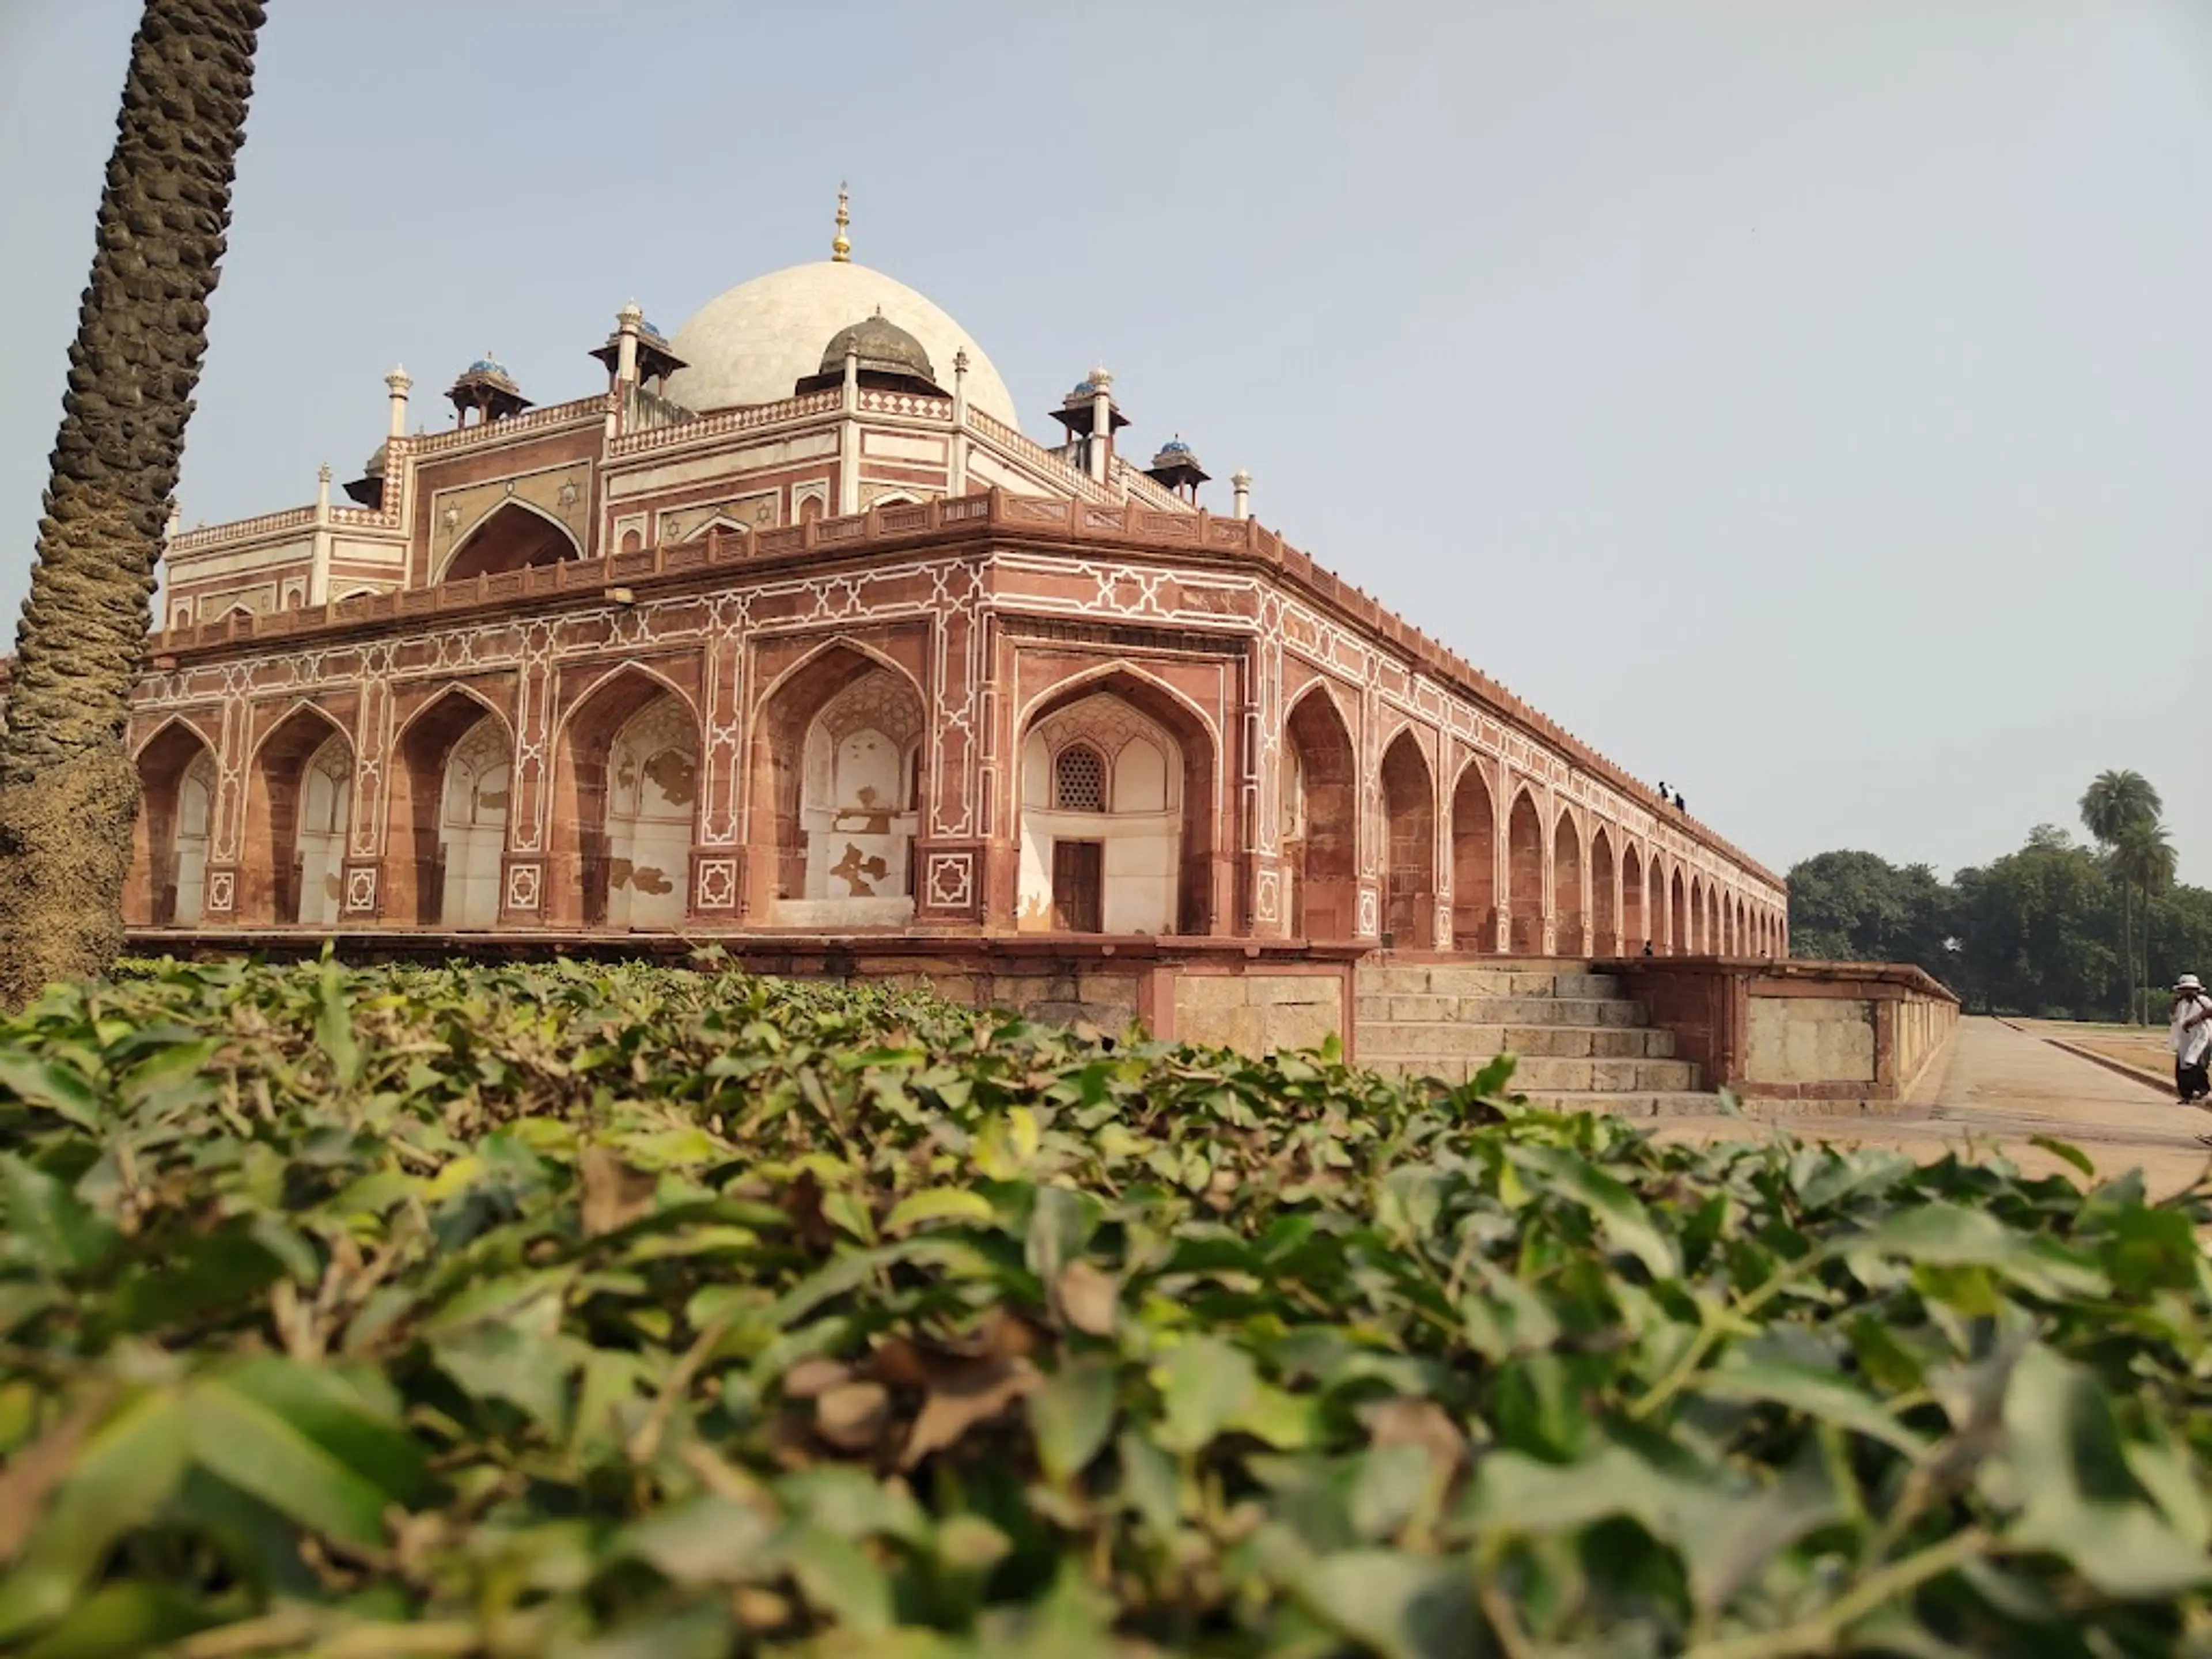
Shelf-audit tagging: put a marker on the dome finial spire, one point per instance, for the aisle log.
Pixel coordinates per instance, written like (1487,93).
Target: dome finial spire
(840,248)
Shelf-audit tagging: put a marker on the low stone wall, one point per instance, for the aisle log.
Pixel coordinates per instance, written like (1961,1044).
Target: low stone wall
(1797,1031)
(1231,994)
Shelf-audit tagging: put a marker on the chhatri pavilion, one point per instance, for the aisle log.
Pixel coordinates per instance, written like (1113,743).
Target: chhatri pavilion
(786,631)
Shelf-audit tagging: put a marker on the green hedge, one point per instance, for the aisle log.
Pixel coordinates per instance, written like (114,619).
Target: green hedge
(637,1311)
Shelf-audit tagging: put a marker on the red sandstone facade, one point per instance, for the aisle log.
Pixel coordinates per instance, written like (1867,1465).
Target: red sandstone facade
(862,660)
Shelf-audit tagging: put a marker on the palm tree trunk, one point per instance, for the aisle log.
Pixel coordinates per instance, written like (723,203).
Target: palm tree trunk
(69,792)
(2128,948)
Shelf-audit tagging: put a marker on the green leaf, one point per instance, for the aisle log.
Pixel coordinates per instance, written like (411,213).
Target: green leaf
(937,1204)
(1203,1382)
(238,1437)
(61,1232)
(1822,1395)
(2067,1151)
(702,1540)
(50,1087)
(123,1621)
(323,1405)
(1397,1605)
(123,1474)
(1071,1415)
(334,1024)
(1621,1217)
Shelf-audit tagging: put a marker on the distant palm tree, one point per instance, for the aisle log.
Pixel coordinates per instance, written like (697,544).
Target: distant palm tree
(2110,805)
(2143,857)
(68,793)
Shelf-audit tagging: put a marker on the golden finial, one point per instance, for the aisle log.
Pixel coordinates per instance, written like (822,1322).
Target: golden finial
(841,250)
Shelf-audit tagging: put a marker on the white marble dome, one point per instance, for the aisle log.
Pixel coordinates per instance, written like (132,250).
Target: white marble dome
(753,343)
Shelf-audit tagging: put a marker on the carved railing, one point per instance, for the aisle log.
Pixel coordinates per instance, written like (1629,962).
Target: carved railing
(730,420)
(239,530)
(1026,451)
(577,410)
(1140,486)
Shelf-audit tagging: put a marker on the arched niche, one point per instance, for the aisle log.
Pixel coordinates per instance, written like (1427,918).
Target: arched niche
(1634,929)
(1320,821)
(625,794)
(1605,908)
(448,823)
(1524,860)
(1409,841)
(513,536)
(1678,915)
(298,809)
(1475,863)
(1133,855)
(837,792)
(176,822)
(1567,934)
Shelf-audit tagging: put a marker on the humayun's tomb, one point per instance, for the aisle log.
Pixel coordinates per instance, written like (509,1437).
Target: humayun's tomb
(788,637)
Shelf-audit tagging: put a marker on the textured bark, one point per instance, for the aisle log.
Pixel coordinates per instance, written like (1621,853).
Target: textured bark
(69,792)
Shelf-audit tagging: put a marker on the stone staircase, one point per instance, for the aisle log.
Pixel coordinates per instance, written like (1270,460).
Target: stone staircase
(1581,1045)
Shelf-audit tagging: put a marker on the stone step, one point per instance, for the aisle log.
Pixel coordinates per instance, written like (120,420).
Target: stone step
(1382,1038)
(1550,1075)
(1431,1009)
(1658,1103)
(1567,1042)
(1452,980)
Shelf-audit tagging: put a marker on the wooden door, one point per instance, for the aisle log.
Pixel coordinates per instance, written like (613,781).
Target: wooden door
(1078,884)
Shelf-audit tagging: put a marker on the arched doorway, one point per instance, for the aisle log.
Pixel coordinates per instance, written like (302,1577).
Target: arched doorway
(837,792)
(1524,861)
(1475,863)
(624,790)
(1568,936)
(1320,821)
(1605,912)
(1633,935)
(1678,915)
(1409,818)
(176,821)
(512,537)
(1116,814)
(1699,942)
(299,793)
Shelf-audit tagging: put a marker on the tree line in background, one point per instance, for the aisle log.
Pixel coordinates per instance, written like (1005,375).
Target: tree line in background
(2059,929)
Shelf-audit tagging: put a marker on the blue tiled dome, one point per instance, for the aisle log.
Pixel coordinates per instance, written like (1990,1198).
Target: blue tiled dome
(486,366)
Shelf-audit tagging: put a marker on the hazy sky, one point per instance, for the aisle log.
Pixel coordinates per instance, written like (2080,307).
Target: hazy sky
(1808,402)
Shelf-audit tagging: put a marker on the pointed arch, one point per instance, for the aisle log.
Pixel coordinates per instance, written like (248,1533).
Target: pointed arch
(1163,876)
(1320,818)
(1525,861)
(811,862)
(625,794)
(1699,942)
(300,776)
(1634,929)
(171,840)
(180,723)
(515,535)
(827,651)
(437,872)
(1570,928)
(1474,860)
(1605,911)
(1677,914)
(1408,791)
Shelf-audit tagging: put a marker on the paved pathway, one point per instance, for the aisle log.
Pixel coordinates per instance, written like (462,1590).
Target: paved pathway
(2005,1086)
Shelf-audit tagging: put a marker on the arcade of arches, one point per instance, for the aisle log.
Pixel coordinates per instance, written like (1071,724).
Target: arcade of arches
(823,808)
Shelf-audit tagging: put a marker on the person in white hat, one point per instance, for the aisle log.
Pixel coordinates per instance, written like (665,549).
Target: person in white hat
(2191,1041)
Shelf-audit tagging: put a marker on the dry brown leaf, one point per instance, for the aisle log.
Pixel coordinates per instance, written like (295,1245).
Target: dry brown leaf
(1087,1298)
(1006,1335)
(1406,1421)
(958,1403)
(34,1471)
(899,1362)
(853,1416)
(615,1195)
(802,1202)
(811,1377)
